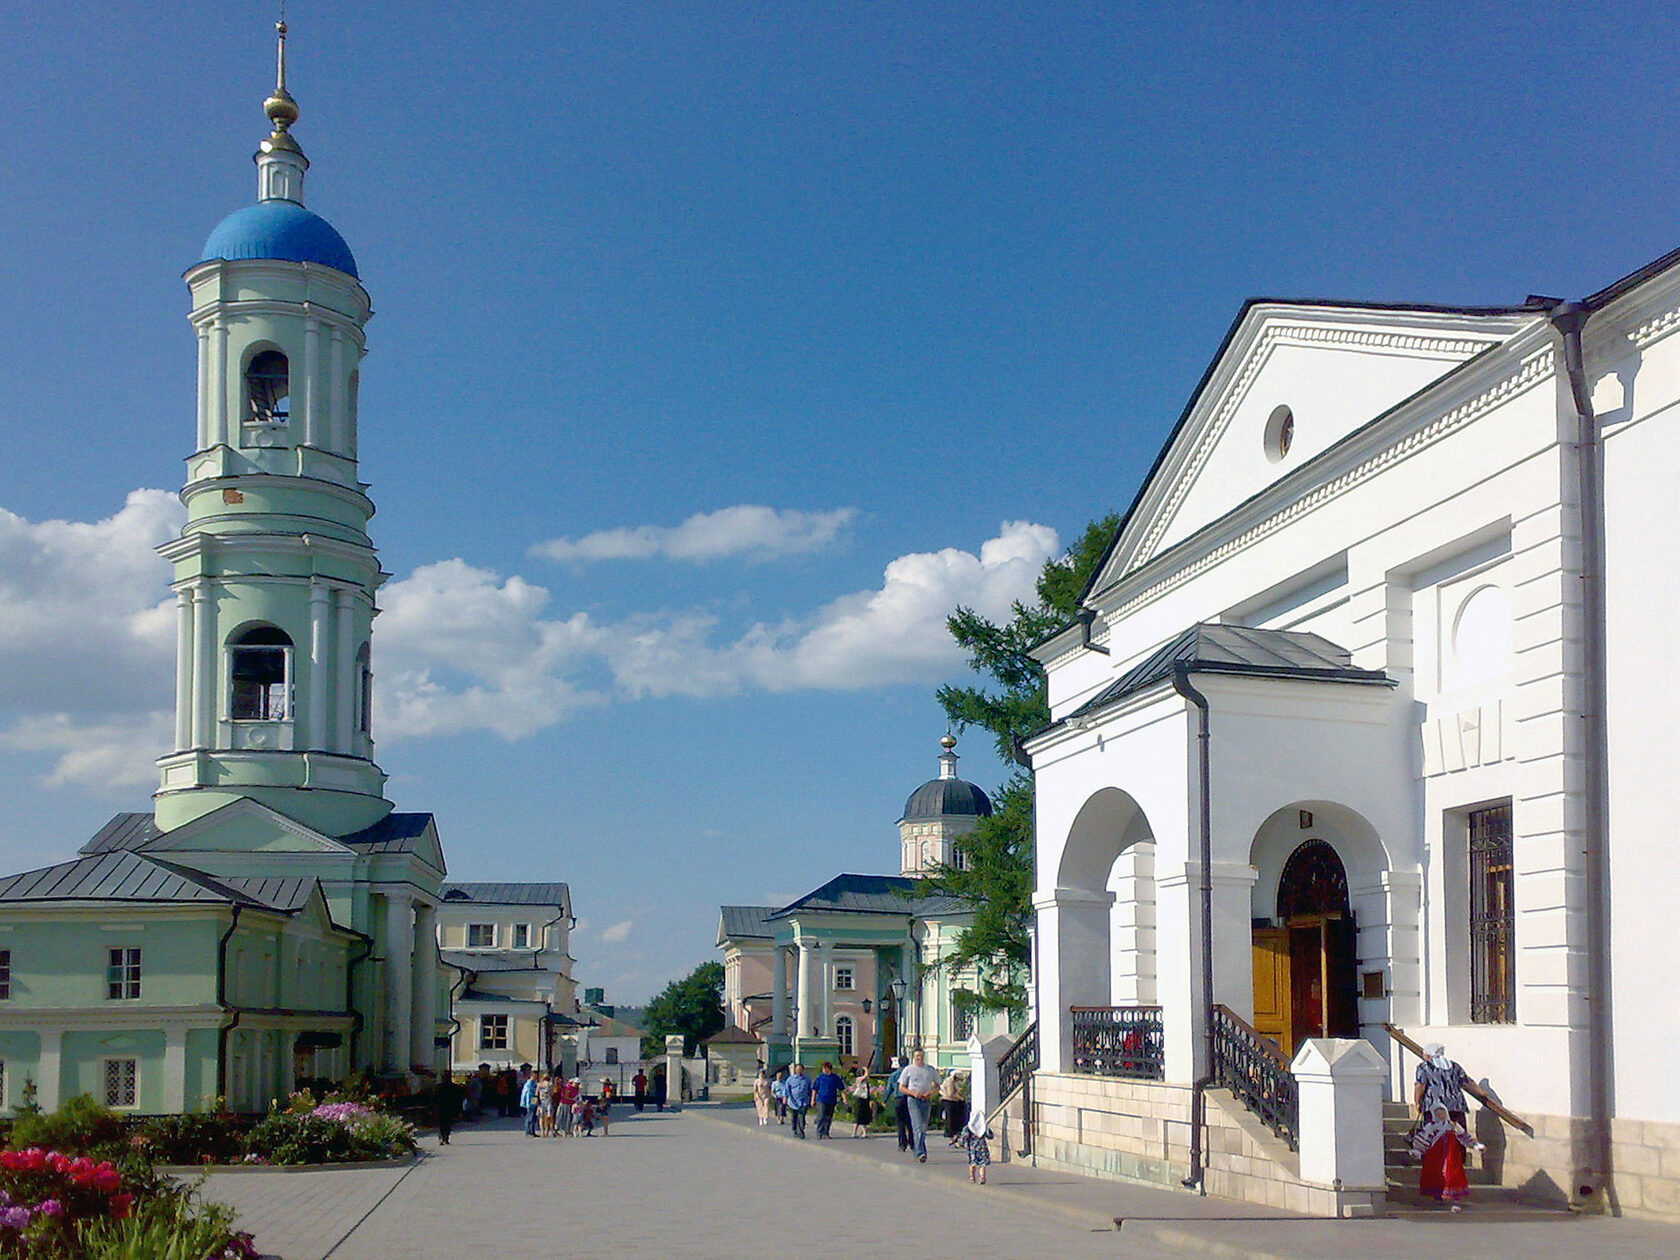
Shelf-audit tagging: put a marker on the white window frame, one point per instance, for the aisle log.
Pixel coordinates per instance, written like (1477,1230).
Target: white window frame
(123,974)
(497,1022)
(845,978)
(471,944)
(105,1066)
(845,1036)
(521,936)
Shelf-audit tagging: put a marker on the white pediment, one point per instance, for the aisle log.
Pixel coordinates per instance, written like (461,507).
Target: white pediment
(1331,370)
(245,826)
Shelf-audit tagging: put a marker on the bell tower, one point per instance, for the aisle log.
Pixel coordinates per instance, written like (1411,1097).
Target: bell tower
(274,573)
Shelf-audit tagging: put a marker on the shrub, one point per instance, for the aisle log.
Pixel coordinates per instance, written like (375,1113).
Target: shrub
(201,1137)
(285,1137)
(79,1127)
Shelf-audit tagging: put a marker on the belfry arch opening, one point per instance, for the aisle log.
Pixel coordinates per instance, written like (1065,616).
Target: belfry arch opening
(268,388)
(260,675)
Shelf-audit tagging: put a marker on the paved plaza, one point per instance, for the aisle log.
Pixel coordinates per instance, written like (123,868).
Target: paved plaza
(709,1183)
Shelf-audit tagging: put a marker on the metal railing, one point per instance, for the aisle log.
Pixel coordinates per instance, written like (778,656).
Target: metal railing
(1254,1069)
(1018,1062)
(1119,1041)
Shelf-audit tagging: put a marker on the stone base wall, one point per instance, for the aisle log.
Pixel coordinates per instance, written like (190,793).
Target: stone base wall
(1140,1131)
(1550,1166)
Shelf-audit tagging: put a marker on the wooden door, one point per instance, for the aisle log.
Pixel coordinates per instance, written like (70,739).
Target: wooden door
(1307,993)
(1271,986)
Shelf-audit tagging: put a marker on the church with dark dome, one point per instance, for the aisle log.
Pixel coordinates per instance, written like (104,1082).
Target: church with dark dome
(938,814)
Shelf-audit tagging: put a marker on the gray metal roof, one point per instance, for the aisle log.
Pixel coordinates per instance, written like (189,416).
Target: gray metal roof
(471,960)
(125,831)
(135,877)
(556,895)
(945,798)
(745,923)
(290,893)
(1210,648)
(394,833)
(871,894)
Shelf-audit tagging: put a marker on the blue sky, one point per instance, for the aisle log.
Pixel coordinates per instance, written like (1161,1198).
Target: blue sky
(718,350)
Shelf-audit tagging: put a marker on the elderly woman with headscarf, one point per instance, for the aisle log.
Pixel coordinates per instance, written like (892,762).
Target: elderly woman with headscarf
(1440,1083)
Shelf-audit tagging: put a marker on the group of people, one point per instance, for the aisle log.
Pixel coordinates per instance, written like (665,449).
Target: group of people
(1440,1138)
(556,1106)
(911,1090)
(553,1104)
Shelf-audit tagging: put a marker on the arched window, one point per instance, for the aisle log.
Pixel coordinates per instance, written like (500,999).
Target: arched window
(268,383)
(612,1054)
(260,665)
(364,690)
(843,1035)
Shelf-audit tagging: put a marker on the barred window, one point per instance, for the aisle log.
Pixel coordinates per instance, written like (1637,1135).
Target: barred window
(122,974)
(962,1021)
(122,1082)
(493,1032)
(1493,918)
(5,974)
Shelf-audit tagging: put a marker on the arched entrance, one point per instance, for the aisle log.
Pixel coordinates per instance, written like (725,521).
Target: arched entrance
(1306,959)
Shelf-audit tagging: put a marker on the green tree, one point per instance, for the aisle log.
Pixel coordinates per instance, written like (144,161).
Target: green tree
(997,876)
(692,1006)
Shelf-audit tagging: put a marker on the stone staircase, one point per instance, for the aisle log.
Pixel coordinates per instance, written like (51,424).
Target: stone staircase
(1403,1170)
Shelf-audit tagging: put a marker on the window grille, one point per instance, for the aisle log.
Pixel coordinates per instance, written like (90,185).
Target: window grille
(1493,918)
(5,974)
(843,1035)
(122,974)
(844,978)
(122,1082)
(962,1021)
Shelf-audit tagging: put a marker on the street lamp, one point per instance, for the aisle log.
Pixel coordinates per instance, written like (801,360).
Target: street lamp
(898,988)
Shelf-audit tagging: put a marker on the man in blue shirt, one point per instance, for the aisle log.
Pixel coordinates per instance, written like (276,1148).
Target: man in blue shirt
(826,1088)
(798,1090)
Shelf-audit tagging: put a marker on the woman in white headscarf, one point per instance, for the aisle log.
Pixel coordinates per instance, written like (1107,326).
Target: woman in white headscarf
(1440,1083)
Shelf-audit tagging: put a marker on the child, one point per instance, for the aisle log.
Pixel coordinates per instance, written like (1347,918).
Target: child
(583,1117)
(977,1138)
(1440,1144)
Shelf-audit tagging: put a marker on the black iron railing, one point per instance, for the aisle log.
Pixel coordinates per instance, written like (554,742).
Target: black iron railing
(1018,1062)
(1119,1041)
(1254,1069)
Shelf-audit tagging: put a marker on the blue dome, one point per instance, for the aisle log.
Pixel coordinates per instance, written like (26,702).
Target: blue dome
(283,230)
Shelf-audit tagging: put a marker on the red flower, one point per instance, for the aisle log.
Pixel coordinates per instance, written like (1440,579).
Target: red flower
(32,1160)
(106,1179)
(121,1205)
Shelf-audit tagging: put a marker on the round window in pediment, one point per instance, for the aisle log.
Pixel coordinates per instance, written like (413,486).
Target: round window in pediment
(1280,433)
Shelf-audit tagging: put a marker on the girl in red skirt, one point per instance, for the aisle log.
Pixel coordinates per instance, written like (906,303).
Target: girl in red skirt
(1440,1143)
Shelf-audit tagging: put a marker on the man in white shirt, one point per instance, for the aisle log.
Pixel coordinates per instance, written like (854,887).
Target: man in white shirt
(917,1083)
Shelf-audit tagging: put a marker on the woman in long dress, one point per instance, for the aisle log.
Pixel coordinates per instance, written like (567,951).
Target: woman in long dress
(862,1113)
(762,1096)
(1440,1142)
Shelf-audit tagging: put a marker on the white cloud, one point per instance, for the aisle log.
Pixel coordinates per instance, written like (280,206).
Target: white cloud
(86,642)
(618,931)
(758,533)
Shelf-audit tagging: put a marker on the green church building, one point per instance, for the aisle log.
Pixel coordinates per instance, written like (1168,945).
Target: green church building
(273,918)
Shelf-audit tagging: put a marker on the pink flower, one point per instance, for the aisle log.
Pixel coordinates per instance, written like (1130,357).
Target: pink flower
(50,1207)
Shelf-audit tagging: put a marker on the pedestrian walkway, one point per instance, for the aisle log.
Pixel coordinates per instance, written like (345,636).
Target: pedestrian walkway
(708,1182)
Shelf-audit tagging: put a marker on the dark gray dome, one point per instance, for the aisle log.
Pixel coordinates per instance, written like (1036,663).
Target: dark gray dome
(947,798)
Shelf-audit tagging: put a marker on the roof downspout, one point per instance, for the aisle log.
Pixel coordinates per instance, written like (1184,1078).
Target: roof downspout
(230,1014)
(1198,1093)
(1086,617)
(1569,318)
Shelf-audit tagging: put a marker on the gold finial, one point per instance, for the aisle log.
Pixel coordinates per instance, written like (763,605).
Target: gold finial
(948,741)
(281,109)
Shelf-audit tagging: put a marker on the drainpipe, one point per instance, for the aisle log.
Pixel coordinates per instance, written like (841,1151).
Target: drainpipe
(231,1014)
(1569,318)
(358,1021)
(1086,617)
(1198,1093)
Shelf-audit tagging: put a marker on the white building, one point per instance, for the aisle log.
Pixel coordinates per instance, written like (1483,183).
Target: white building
(1355,635)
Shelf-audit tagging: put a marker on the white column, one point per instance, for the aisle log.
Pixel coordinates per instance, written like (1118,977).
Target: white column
(50,1070)
(806,1004)
(825,987)
(219,387)
(425,984)
(338,427)
(344,732)
(311,360)
(1340,1090)
(1179,957)
(673,1073)
(1073,967)
(778,993)
(320,660)
(399,974)
(204,673)
(183,668)
(203,388)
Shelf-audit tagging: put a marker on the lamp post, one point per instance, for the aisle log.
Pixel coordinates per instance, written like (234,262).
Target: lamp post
(898,988)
